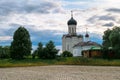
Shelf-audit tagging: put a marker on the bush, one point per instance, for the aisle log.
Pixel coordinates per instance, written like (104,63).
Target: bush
(67,54)
(4,52)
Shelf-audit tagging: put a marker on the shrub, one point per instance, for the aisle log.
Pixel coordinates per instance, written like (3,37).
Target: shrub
(4,52)
(67,54)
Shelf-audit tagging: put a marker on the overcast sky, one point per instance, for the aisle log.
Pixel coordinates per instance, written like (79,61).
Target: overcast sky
(47,19)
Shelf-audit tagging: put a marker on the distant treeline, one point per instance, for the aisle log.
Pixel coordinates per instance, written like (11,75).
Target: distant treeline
(21,46)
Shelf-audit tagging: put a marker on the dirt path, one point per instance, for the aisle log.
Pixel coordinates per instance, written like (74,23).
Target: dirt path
(60,73)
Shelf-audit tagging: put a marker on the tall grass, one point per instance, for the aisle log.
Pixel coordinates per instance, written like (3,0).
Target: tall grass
(58,61)
(89,61)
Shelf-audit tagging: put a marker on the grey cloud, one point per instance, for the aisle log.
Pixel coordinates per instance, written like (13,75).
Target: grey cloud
(10,31)
(14,25)
(102,17)
(116,10)
(36,36)
(24,6)
(107,17)
(111,24)
(92,19)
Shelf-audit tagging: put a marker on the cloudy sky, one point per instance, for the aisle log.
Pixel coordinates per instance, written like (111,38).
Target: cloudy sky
(47,19)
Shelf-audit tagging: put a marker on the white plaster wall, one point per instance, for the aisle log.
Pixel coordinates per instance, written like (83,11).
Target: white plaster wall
(72,29)
(70,42)
(77,51)
(63,44)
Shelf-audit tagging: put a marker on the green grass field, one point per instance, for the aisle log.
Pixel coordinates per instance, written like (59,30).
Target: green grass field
(58,61)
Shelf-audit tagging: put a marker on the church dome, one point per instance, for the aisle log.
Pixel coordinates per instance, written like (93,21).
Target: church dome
(87,35)
(72,21)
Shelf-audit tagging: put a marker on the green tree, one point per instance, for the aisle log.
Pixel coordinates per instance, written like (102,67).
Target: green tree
(106,43)
(111,39)
(115,41)
(40,49)
(106,40)
(34,54)
(67,54)
(50,51)
(4,52)
(21,45)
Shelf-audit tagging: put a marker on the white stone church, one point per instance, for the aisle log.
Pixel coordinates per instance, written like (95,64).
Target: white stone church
(75,43)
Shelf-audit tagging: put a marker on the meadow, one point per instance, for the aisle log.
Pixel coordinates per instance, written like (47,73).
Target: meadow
(58,61)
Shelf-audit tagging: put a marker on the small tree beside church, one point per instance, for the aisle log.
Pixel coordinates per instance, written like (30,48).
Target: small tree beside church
(40,50)
(66,54)
(50,50)
(47,52)
(21,45)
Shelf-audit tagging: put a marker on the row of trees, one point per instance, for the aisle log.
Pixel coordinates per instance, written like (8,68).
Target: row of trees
(21,47)
(47,52)
(111,42)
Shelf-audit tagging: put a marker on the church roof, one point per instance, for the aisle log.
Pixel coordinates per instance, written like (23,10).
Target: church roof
(88,43)
(72,21)
(70,36)
(86,35)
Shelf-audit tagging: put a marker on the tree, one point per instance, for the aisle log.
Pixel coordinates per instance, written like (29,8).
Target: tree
(21,45)
(4,52)
(115,41)
(40,50)
(34,54)
(111,39)
(50,51)
(67,54)
(106,43)
(106,40)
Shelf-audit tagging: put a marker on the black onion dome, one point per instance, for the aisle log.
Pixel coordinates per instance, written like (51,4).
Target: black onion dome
(72,22)
(87,35)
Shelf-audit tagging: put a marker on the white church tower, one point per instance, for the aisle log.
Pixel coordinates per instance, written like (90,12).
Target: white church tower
(70,39)
(72,25)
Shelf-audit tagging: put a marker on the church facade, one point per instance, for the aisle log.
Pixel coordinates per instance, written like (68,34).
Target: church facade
(73,42)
